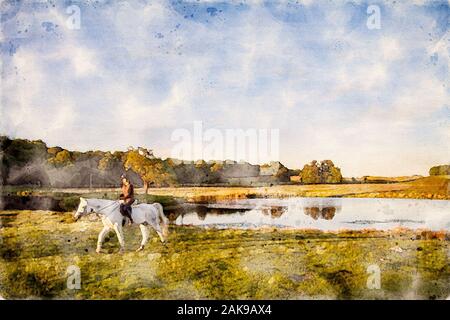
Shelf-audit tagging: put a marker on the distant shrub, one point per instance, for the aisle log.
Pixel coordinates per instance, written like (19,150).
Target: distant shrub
(441,170)
(69,203)
(163,200)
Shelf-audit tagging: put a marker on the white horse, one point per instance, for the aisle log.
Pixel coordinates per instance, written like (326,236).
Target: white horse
(143,214)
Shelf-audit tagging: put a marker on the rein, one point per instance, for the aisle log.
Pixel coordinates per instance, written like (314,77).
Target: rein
(107,206)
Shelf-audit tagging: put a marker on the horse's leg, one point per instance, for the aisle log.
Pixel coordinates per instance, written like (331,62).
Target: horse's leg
(165,230)
(101,237)
(158,230)
(161,237)
(118,230)
(162,222)
(144,232)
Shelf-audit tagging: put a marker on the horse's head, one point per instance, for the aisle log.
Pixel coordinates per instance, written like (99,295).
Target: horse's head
(82,209)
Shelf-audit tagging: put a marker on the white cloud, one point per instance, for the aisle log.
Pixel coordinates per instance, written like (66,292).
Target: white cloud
(360,78)
(390,48)
(417,102)
(82,60)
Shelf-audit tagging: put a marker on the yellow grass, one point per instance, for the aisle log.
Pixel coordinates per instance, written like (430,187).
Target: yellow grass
(391,179)
(424,188)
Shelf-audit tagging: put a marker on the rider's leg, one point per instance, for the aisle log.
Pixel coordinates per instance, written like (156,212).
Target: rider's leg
(125,210)
(101,237)
(129,213)
(122,212)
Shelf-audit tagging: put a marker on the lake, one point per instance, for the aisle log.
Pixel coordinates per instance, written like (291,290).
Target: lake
(328,214)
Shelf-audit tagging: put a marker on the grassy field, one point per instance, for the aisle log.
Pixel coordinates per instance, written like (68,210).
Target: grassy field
(37,247)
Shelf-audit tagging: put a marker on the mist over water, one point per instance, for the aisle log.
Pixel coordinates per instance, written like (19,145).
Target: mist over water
(328,214)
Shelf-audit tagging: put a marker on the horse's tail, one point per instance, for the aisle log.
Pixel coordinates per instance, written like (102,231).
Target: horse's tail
(163,221)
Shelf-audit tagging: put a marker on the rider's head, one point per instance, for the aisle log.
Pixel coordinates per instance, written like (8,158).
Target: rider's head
(123,178)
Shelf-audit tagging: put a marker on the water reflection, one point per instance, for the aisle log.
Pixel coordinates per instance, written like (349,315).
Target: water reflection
(202,212)
(318,213)
(321,208)
(273,212)
(326,213)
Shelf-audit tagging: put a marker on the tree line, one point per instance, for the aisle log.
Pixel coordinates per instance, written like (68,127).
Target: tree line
(18,154)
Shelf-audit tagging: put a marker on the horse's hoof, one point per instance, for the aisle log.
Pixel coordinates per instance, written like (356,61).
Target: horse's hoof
(140,248)
(98,251)
(122,250)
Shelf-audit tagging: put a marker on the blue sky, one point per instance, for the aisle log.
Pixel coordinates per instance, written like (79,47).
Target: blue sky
(375,101)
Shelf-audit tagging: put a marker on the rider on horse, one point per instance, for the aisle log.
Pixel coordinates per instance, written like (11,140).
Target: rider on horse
(126,197)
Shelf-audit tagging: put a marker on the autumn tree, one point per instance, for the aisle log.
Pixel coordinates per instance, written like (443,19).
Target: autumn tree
(52,151)
(325,172)
(216,167)
(329,173)
(310,173)
(152,171)
(62,158)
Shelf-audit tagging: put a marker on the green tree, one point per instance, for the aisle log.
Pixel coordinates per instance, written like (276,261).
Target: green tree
(441,170)
(329,173)
(152,171)
(20,153)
